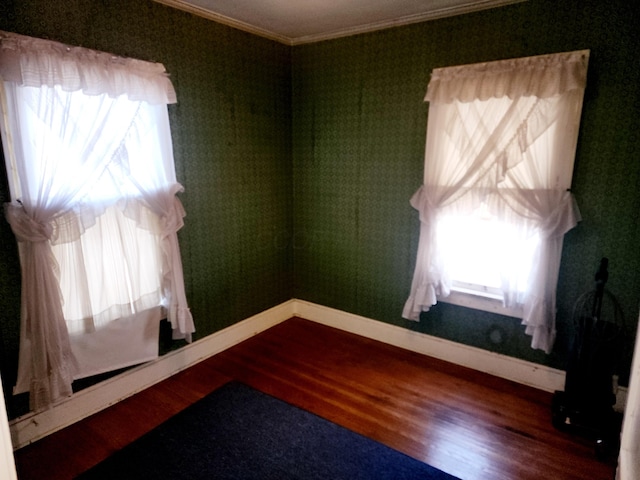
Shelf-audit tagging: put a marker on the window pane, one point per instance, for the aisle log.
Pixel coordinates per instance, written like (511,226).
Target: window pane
(486,253)
(116,265)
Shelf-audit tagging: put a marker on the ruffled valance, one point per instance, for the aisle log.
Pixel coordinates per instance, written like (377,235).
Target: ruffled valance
(543,76)
(35,62)
(89,141)
(501,144)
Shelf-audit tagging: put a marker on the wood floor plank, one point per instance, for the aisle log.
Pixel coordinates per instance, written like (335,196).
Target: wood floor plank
(472,425)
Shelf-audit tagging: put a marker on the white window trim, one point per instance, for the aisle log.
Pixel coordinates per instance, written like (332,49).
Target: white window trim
(479,298)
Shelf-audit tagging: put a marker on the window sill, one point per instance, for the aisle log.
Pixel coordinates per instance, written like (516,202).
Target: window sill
(487,303)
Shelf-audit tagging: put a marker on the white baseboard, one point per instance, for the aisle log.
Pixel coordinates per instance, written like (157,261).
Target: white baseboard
(510,368)
(31,427)
(527,373)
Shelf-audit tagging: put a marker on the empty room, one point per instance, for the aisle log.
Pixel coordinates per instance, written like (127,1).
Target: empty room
(415,222)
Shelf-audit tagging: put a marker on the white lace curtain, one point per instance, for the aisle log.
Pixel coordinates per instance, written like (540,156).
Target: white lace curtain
(80,165)
(502,136)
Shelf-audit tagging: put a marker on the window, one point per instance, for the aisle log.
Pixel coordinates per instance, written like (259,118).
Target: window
(496,201)
(479,248)
(88,151)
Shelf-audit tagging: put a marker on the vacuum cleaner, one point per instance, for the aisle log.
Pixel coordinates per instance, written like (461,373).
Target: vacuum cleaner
(586,404)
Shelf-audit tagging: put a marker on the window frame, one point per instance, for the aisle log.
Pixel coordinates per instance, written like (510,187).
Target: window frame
(466,296)
(48,213)
(499,168)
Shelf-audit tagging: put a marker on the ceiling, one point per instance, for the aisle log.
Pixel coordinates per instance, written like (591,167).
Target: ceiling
(304,21)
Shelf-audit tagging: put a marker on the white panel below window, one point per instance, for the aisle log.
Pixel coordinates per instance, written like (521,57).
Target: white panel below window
(121,343)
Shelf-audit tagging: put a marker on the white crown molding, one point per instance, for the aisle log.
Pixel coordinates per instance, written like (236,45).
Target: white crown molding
(223,19)
(343,32)
(402,21)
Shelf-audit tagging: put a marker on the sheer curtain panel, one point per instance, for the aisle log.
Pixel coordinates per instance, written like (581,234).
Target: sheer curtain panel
(501,142)
(94,208)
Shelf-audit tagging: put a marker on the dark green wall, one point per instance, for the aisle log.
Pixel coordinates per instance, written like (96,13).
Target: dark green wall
(299,162)
(359,125)
(231,132)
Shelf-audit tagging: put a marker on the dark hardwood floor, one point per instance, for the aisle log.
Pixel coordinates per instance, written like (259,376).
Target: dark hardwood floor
(469,424)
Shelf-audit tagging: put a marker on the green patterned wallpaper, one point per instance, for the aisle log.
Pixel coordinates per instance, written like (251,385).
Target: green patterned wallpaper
(231,131)
(359,126)
(298,162)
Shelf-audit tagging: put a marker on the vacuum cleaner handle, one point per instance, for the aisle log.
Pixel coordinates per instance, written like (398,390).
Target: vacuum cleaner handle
(602,275)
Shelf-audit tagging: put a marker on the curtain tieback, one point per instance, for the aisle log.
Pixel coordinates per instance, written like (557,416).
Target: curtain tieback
(563,218)
(26,228)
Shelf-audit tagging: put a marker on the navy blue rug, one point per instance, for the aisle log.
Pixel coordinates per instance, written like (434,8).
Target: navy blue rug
(239,433)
